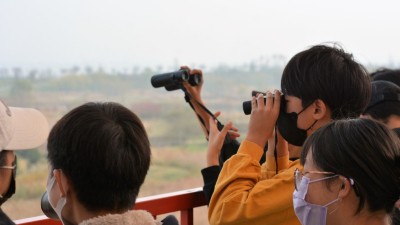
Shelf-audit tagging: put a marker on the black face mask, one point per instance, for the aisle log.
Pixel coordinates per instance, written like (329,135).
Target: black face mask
(287,126)
(10,192)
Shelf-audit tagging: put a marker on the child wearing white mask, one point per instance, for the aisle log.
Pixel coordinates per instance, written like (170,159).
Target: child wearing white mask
(99,155)
(351,174)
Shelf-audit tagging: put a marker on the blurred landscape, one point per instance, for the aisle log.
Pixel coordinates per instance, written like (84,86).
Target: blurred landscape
(57,55)
(178,144)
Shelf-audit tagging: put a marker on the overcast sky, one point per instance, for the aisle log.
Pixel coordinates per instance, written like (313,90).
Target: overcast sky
(47,33)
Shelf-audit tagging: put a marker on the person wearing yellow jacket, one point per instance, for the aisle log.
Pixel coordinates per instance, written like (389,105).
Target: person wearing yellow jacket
(320,84)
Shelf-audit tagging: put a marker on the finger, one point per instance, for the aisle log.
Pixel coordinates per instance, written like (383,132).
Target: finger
(277,101)
(270,100)
(233,134)
(226,128)
(199,73)
(216,114)
(213,124)
(196,71)
(234,128)
(185,68)
(253,103)
(260,101)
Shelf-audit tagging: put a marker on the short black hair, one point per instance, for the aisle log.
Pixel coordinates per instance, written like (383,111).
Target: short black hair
(364,150)
(104,150)
(385,100)
(330,74)
(392,75)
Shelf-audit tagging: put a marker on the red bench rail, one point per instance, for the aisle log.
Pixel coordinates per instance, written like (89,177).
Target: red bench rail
(181,201)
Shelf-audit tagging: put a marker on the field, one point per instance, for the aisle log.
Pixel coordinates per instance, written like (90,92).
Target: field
(171,170)
(178,145)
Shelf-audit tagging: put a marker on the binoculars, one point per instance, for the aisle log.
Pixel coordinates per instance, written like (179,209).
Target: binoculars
(173,80)
(46,207)
(247,104)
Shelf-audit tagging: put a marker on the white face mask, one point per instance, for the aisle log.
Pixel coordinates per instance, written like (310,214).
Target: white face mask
(307,213)
(61,202)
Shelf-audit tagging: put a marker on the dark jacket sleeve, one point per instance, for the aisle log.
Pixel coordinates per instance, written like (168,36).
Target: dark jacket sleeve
(210,176)
(228,150)
(170,220)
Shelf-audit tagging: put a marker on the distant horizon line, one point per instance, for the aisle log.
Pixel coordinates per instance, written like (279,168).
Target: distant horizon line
(55,68)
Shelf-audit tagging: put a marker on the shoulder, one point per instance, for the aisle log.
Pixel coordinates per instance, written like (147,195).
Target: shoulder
(136,217)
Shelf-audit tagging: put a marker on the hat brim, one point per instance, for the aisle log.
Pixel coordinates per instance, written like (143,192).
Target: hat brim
(31,129)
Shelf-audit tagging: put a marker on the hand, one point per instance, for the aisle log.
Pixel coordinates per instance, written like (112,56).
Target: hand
(194,91)
(282,148)
(263,117)
(233,132)
(216,140)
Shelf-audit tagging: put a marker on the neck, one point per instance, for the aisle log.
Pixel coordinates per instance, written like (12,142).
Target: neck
(294,151)
(393,121)
(377,218)
(79,213)
(321,122)
(362,218)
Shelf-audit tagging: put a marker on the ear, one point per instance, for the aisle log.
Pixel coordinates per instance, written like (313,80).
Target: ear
(62,182)
(345,187)
(320,109)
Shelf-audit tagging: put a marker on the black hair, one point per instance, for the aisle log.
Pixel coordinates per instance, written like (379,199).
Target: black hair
(103,149)
(330,74)
(364,150)
(392,75)
(385,100)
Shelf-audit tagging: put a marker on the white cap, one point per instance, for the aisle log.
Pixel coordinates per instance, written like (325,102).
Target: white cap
(21,128)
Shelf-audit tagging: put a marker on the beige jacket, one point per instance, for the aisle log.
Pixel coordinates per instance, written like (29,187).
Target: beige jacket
(132,217)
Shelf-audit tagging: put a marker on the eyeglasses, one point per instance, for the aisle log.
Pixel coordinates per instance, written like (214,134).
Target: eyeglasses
(13,166)
(298,176)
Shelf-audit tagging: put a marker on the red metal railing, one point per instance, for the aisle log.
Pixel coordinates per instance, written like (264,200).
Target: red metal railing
(181,201)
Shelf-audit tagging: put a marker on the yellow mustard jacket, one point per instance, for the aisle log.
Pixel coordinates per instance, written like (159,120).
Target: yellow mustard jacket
(248,193)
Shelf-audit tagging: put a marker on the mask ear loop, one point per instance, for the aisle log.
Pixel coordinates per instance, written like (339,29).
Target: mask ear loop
(339,199)
(308,105)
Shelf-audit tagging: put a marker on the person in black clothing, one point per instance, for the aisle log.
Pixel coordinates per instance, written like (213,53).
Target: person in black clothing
(20,129)
(231,145)
(384,106)
(215,160)
(392,75)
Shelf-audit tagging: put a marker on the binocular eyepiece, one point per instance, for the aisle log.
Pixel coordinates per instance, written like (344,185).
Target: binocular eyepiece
(173,80)
(46,207)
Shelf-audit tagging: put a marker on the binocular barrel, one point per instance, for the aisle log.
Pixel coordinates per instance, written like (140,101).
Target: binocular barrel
(46,207)
(247,106)
(173,80)
(194,80)
(166,79)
